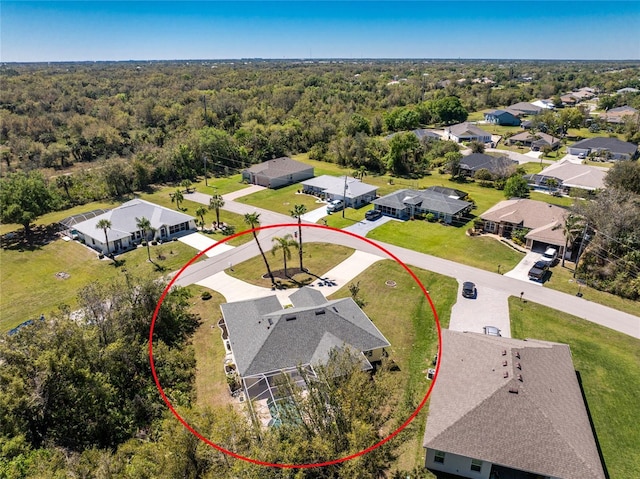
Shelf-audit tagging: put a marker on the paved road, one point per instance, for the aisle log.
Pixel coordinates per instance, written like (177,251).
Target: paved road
(580,307)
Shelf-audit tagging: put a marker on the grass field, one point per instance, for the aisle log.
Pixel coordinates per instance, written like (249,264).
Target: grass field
(448,242)
(281,200)
(30,286)
(609,365)
(318,258)
(210,379)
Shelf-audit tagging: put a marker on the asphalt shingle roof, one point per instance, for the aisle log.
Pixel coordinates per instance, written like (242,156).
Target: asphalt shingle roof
(266,338)
(605,143)
(279,167)
(533,214)
(478,161)
(429,199)
(512,402)
(334,185)
(467,129)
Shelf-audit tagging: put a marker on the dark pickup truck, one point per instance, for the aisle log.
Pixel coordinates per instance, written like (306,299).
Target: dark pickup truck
(538,270)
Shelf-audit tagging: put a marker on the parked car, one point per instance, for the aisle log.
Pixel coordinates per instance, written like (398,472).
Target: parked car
(550,255)
(373,215)
(539,270)
(469,289)
(491,331)
(582,156)
(335,205)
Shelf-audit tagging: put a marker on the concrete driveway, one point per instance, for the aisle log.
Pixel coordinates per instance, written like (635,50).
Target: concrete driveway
(489,308)
(521,271)
(363,227)
(202,242)
(316,215)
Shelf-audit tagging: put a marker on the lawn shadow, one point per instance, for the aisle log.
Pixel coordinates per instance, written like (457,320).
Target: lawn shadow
(40,236)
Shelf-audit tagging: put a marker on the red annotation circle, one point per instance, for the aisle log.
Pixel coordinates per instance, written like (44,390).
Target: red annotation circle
(295,466)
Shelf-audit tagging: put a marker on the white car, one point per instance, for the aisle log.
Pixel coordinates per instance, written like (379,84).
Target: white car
(335,205)
(550,255)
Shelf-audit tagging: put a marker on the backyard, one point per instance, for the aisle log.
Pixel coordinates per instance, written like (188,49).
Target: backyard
(609,367)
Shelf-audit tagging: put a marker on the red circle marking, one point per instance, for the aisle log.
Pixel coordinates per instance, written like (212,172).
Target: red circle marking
(295,466)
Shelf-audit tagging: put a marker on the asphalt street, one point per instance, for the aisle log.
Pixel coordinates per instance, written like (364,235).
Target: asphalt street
(503,286)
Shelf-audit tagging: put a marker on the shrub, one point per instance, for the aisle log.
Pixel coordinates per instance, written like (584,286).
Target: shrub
(206,295)
(430,217)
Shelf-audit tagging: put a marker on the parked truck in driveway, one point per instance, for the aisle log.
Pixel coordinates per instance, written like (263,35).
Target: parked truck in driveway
(538,270)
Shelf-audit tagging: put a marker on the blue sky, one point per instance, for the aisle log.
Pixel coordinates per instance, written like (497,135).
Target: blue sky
(167,30)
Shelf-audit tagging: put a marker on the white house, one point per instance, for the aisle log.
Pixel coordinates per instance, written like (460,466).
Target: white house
(466,132)
(124,233)
(352,191)
(277,173)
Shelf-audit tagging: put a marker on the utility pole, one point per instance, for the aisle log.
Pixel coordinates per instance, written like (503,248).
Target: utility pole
(344,195)
(582,241)
(204,157)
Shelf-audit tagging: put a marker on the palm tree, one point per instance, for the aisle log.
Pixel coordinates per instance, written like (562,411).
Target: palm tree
(186,184)
(297,212)
(104,224)
(361,172)
(215,203)
(65,182)
(177,197)
(144,225)
(253,221)
(285,243)
(200,212)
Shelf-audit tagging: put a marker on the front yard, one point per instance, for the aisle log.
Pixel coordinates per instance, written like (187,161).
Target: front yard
(39,281)
(609,366)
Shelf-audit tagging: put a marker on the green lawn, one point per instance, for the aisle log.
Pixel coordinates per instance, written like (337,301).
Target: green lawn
(448,242)
(281,200)
(220,185)
(609,365)
(562,279)
(404,316)
(30,286)
(318,258)
(210,379)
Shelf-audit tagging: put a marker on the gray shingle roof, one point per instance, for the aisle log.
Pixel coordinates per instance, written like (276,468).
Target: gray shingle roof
(604,143)
(467,129)
(279,167)
(542,428)
(531,213)
(478,161)
(429,199)
(265,338)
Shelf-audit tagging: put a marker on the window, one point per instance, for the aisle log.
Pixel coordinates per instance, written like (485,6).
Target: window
(439,457)
(476,465)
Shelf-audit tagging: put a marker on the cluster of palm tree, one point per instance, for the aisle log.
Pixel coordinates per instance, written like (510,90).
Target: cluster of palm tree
(143,224)
(283,244)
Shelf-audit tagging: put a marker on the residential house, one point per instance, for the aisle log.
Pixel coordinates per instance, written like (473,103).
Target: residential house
(501,117)
(497,166)
(536,141)
(277,173)
(544,104)
(444,203)
(268,341)
(544,221)
(569,100)
(505,407)
(622,91)
(523,108)
(619,115)
(466,132)
(604,147)
(124,234)
(421,133)
(568,175)
(352,191)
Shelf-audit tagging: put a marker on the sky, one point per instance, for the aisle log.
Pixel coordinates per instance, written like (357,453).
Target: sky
(185,30)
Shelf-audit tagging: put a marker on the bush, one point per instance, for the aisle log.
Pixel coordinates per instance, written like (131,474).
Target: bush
(206,295)
(430,217)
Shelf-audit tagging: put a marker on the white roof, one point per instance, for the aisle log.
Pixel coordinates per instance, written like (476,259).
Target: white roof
(123,219)
(334,186)
(577,175)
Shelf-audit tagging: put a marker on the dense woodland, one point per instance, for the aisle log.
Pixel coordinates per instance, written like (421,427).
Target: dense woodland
(78,399)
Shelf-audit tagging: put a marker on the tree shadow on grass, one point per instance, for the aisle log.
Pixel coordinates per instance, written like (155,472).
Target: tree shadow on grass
(39,237)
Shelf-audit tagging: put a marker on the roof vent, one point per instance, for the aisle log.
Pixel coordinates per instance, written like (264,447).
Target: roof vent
(520,377)
(518,354)
(320,311)
(513,390)
(290,318)
(504,363)
(505,374)
(270,322)
(504,352)
(335,309)
(519,366)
